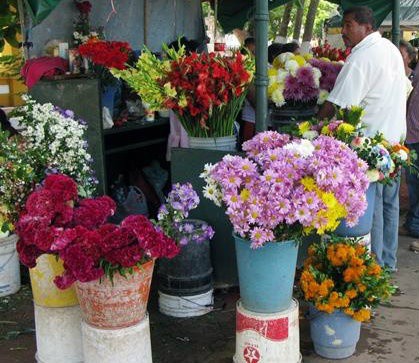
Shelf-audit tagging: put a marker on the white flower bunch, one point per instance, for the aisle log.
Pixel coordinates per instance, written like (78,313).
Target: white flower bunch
(58,140)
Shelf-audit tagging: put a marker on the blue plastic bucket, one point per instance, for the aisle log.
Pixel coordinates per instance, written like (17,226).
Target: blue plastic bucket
(365,221)
(266,275)
(334,335)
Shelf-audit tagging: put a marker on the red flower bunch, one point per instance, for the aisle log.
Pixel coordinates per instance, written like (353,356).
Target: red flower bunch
(109,54)
(200,84)
(327,51)
(84,7)
(56,222)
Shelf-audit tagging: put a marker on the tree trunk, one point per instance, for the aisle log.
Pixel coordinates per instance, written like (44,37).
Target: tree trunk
(309,25)
(283,29)
(298,22)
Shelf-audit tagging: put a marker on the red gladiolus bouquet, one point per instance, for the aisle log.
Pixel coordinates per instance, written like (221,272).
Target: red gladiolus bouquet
(207,91)
(56,222)
(331,53)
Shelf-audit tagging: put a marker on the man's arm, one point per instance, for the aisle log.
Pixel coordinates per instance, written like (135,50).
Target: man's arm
(327,111)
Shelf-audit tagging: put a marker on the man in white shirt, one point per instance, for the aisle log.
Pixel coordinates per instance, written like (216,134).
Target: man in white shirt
(373,77)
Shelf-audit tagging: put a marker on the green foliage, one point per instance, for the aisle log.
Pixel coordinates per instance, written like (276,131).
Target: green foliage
(10,66)
(324,11)
(9,24)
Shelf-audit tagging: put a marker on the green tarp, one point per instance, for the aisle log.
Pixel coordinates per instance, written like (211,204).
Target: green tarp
(40,9)
(234,13)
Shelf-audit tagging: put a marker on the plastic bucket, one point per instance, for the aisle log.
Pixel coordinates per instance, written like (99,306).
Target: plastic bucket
(120,304)
(44,291)
(58,335)
(334,335)
(128,345)
(365,221)
(190,272)
(186,306)
(266,275)
(267,338)
(225,143)
(9,266)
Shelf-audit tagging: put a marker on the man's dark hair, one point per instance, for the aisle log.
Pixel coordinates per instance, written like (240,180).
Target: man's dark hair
(410,49)
(362,15)
(290,47)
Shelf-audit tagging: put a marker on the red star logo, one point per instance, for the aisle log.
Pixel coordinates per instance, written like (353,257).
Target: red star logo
(251,355)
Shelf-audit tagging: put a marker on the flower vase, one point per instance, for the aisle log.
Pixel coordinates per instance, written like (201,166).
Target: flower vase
(364,225)
(225,143)
(119,303)
(9,266)
(44,291)
(334,335)
(266,274)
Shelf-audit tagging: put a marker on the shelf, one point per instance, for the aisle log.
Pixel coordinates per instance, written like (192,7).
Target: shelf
(136,145)
(136,125)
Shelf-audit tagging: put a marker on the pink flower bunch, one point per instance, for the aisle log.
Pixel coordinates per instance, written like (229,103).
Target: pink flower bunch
(301,87)
(329,70)
(56,222)
(288,188)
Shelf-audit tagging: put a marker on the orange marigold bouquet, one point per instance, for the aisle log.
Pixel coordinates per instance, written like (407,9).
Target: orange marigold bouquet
(340,273)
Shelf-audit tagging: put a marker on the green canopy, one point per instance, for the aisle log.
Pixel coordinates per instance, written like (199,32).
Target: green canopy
(40,9)
(234,13)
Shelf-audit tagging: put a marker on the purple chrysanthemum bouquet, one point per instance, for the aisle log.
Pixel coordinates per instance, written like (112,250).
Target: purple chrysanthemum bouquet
(285,188)
(171,218)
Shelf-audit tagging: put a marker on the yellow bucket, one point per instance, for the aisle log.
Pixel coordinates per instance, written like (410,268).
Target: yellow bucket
(44,291)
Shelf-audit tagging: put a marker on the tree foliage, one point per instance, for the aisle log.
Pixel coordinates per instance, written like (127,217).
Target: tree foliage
(9,24)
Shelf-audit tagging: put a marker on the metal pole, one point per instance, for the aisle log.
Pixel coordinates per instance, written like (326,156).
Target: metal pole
(395,34)
(261,81)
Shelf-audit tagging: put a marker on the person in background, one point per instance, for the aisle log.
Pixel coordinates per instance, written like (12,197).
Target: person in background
(408,53)
(274,50)
(5,124)
(291,48)
(411,226)
(250,45)
(373,77)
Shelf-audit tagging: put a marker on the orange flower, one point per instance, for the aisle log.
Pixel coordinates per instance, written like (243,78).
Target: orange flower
(374,270)
(356,262)
(351,294)
(353,274)
(359,250)
(362,315)
(361,287)
(348,311)
(311,251)
(327,308)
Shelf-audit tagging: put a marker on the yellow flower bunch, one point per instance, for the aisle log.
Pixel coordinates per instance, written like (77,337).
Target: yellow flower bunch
(327,219)
(341,274)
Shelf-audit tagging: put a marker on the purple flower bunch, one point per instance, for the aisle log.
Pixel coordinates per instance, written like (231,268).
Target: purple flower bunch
(329,71)
(171,217)
(301,87)
(285,188)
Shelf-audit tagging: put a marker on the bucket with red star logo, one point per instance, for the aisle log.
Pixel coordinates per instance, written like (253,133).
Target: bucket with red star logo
(267,338)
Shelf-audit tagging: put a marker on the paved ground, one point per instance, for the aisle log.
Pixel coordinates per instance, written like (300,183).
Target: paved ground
(392,336)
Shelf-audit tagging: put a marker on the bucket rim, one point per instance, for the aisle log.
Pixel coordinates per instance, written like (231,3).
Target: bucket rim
(267,244)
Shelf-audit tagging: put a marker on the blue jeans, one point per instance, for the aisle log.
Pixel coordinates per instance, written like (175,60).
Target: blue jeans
(412,219)
(385,225)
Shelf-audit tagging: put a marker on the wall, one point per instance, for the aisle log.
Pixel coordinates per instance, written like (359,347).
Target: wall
(164,20)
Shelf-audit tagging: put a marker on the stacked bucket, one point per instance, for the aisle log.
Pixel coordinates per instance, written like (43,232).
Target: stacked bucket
(57,315)
(267,320)
(115,324)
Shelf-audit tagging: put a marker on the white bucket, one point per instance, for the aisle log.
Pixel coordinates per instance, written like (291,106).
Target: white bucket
(58,335)
(9,266)
(226,143)
(127,345)
(186,306)
(267,338)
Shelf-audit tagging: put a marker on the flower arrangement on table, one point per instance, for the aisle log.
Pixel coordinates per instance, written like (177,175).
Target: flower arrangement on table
(82,31)
(104,55)
(56,138)
(340,273)
(206,91)
(331,53)
(16,182)
(52,141)
(383,158)
(171,217)
(284,188)
(293,81)
(56,221)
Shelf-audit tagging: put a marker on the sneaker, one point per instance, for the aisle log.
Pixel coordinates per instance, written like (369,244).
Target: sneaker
(414,246)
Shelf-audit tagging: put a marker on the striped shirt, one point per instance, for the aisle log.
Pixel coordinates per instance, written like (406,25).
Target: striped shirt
(412,118)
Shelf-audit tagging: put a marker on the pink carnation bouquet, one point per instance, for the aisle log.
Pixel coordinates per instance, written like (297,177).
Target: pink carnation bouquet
(284,188)
(55,221)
